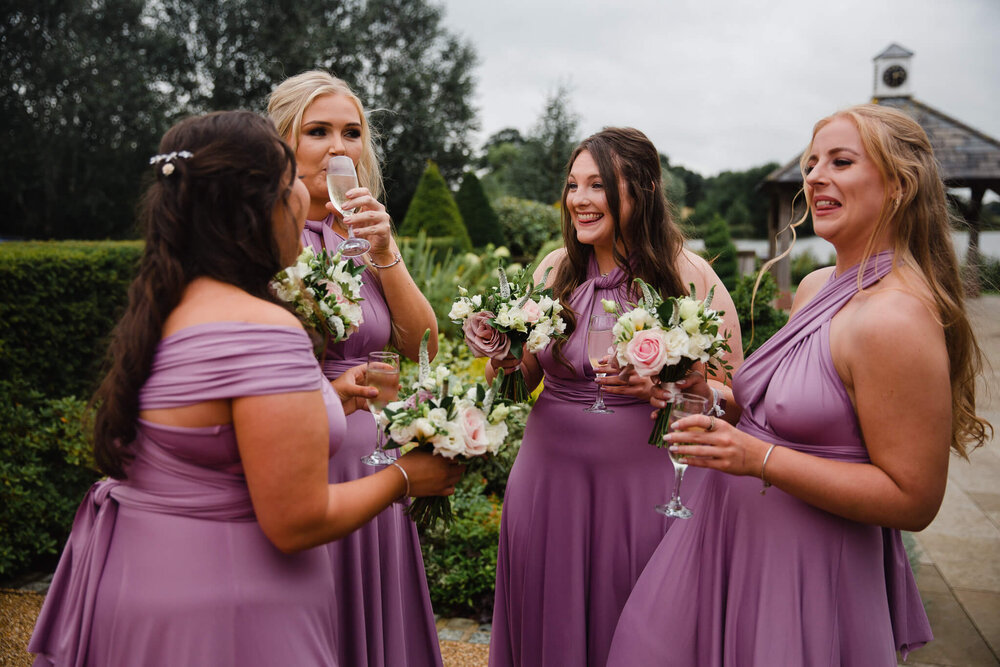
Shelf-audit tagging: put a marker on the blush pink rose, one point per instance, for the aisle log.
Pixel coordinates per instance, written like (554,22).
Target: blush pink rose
(472,426)
(647,351)
(482,338)
(531,310)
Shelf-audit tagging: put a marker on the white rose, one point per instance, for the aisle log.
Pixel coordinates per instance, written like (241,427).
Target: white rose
(496,435)
(460,310)
(676,341)
(403,433)
(448,444)
(698,344)
(688,308)
(537,341)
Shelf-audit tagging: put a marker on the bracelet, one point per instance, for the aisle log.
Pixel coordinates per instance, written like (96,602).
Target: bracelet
(394,262)
(718,403)
(406,478)
(764,465)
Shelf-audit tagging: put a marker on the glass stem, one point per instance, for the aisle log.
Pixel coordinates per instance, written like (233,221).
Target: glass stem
(675,497)
(600,393)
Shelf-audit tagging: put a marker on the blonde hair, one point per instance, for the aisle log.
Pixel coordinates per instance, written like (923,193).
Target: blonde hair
(289,101)
(915,213)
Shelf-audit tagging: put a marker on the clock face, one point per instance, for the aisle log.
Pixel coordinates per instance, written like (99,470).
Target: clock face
(894,76)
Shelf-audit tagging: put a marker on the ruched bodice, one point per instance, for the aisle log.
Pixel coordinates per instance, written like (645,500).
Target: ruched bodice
(170,567)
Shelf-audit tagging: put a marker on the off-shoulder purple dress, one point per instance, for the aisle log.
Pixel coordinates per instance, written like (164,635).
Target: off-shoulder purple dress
(578,522)
(170,567)
(383,607)
(757,580)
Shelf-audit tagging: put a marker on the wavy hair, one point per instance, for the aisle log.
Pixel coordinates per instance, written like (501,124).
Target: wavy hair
(289,101)
(919,222)
(209,215)
(652,241)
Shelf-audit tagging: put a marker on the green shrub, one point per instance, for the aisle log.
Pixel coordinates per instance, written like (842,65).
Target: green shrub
(480,218)
(58,303)
(720,251)
(766,319)
(433,210)
(461,560)
(805,263)
(527,225)
(45,468)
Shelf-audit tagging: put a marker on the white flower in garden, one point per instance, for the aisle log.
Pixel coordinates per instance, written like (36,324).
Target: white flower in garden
(501,252)
(471,259)
(441,372)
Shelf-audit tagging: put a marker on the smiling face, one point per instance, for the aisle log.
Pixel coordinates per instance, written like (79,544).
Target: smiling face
(331,125)
(843,186)
(587,203)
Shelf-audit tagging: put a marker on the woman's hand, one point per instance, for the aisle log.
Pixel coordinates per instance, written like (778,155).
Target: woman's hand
(624,381)
(430,474)
(509,364)
(370,221)
(710,442)
(352,388)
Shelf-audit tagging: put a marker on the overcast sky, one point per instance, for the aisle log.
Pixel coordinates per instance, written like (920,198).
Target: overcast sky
(724,84)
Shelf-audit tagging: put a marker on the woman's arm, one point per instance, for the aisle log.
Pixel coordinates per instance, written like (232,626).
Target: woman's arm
(893,354)
(409,309)
(284,443)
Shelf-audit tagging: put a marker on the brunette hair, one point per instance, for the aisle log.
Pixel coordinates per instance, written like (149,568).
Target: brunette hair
(209,214)
(289,101)
(652,241)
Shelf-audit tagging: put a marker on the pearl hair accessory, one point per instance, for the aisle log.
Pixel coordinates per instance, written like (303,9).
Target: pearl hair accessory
(167,159)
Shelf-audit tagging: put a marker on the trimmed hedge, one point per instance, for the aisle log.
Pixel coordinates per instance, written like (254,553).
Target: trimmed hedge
(433,210)
(59,302)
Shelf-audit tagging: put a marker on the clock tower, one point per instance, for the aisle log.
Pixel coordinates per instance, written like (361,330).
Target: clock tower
(892,72)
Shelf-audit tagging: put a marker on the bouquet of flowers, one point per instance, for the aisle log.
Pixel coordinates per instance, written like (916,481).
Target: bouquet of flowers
(446,419)
(512,317)
(665,337)
(325,290)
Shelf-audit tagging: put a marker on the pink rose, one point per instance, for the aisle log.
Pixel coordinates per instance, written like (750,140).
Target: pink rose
(334,289)
(647,351)
(482,338)
(472,426)
(532,313)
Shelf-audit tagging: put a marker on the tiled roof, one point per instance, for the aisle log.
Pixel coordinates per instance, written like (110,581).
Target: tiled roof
(894,51)
(965,154)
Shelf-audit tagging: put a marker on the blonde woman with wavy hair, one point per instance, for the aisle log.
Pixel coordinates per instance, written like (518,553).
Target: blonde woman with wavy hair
(382,612)
(837,434)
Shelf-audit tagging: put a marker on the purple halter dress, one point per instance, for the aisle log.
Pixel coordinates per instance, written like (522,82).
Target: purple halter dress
(578,522)
(764,580)
(383,607)
(170,566)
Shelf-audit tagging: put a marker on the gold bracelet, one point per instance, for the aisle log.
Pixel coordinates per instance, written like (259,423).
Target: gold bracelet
(394,262)
(764,465)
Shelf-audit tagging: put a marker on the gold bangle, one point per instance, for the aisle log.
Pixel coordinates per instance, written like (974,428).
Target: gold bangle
(394,262)
(763,466)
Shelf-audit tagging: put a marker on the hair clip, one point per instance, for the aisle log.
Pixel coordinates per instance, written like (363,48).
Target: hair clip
(168,158)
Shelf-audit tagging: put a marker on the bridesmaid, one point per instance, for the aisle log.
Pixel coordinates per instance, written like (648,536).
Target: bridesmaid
(384,614)
(578,521)
(214,424)
(846,416)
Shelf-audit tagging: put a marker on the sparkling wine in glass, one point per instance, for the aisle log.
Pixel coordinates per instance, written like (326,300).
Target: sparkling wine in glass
(382,374)
(341,178)
(600,344)
(683,405)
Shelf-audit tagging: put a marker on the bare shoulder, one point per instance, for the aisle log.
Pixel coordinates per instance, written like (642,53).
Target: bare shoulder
(695,269)
(553,260)
(208,300)
(899,305)
(809,286)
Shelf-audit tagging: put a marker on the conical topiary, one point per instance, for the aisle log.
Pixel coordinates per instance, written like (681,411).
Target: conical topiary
(481,220)
(721,252)
(434,210)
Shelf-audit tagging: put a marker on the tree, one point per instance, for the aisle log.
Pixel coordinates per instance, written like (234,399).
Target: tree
(536,167)
(480,219)
(527,225)
(433,210)
(82,115)
(720,251)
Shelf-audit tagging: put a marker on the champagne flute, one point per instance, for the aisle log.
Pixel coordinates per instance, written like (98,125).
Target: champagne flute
(340,178)
(600,339)
(382,374)
(683,405)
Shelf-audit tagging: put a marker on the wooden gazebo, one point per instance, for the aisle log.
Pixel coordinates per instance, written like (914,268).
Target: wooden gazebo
(968,159)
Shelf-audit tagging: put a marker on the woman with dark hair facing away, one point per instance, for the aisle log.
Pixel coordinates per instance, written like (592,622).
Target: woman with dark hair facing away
(384,614)
(845,419)
(214,424)
(578,519)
